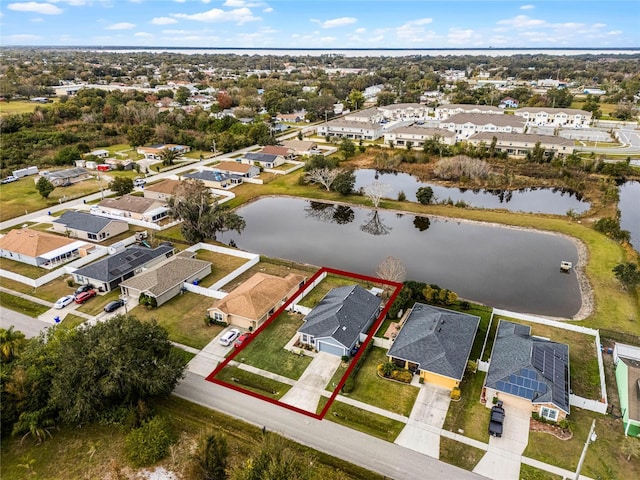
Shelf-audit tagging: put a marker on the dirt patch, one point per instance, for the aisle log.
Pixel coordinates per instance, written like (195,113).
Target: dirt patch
(555,430)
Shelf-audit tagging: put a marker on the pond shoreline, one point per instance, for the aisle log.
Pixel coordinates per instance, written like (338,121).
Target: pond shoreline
(586,291)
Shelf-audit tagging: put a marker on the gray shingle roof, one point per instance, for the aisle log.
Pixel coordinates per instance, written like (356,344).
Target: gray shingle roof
(342,314)
(208,175)
(483,119)
(68,173)
(437,339)
(529,367)
(84,221)
(115,266)
(260,157)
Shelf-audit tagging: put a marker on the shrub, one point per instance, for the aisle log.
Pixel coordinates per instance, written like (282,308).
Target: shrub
(455,394)
(472,366)
(402,196)
(345,358)
(464,305)
(149,443)
(387,368)
(402,375)
(349,385)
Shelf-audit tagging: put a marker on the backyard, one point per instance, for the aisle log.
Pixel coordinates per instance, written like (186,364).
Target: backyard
(266,350)
(221,265)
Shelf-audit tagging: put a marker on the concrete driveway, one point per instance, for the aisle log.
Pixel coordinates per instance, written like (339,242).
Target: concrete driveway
(208,358)
(422,432)
(504,455)
(305,394)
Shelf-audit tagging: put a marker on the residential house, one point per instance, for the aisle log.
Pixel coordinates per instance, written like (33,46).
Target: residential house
(165,281)
(101,153)
(508,102)
(40,249)
(339,323)
(405,111)
(435,342)
(107,273)
(302,147)
(282,151)
(445,111)
(519,144)
(237,169)
(368,115)
(214,179)
(554,117)
(373,91)
(136,208)
(466,124)
(263,159)
(66,177)
(252,303)
(153,152)
(418,135)
(295,117)
(89,227)
(162,190)
(627,361)
(528,372)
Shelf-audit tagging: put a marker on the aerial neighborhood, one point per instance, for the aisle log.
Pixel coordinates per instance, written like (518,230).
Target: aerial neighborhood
(426,258)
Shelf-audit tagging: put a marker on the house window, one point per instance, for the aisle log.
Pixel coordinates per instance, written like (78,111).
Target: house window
(218,317)
(92,236)
(549,413)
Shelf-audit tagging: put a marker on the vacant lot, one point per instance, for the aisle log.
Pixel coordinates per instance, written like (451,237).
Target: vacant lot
(267,352)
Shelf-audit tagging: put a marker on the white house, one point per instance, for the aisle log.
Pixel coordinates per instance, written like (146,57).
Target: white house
(554,117)
(466,124)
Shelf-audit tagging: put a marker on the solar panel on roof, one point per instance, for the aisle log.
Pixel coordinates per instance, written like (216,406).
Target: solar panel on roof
(512,379)
(527,382)
(500,384)
(519,381)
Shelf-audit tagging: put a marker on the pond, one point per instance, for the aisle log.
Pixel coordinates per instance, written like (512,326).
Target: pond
(629,206)
(533,200)
(498,266)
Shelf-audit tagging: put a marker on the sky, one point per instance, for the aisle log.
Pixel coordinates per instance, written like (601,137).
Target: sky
(321,24)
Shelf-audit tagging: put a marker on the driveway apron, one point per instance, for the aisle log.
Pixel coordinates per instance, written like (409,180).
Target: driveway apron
(305,394)
(422,432)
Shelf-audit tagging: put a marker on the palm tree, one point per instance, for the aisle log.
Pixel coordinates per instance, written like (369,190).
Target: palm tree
(168,155)
(11,342)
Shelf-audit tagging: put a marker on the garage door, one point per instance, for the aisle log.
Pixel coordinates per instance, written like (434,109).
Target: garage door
(332,349)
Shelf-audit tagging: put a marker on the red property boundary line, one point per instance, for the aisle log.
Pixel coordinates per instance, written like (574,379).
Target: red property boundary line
(352,364)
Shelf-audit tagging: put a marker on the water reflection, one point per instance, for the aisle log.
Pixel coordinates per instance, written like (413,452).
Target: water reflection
(421,223)
(535,200)
(374,225)
(328,212)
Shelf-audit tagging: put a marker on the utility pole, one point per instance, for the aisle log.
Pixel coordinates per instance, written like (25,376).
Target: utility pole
(590,438)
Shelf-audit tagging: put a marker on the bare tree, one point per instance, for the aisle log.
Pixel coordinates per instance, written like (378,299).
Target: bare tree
(392,269)
(375,191)
(324,176)
(374,225)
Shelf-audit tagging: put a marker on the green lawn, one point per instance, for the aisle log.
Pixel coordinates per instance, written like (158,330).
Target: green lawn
(604,457)
(21,305)
(532,473)
(95,305)
(72,321)
(183,317)
(362,420)
(221,265)
(267,352)
(98,452)
(371,389)
(254,382)
(29,271)
(459,454)
(468,414)
(22,106)
(50,292)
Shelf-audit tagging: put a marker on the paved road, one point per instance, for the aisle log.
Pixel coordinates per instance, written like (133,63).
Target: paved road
(31,327)
(383,457)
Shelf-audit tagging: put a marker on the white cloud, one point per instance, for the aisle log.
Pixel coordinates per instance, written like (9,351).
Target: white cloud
(459,36)
(522,21)
(121,26)
(163,21)
(599,25)
(180,1)
(206,1)
(315,20)
(239,15)
(73,3)
(143,34)
(36,20)
(268,10)
(177,32)
(240,3)
(339,22)
(413,30)
(615,32)
(361,30)
(24,37)
(527,7)
(35,7)
(328,39)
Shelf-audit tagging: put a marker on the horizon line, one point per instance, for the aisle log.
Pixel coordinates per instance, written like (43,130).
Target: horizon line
(143,47)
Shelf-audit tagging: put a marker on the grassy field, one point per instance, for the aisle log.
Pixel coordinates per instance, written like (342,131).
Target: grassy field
(254,382)
(459,454)
(50,292)
(183,317)
(604,457)
(29,271)
(22,106)
(72,321)
(468,414)
(97,451)
(531,473)
(267,352)
(371,389)
(362,420)
(21,305)
(22,197)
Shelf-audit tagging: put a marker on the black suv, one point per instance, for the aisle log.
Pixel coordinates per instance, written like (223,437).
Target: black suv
(497,420)
(83,288)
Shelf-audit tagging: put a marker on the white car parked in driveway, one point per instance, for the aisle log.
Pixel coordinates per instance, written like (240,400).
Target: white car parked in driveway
(228,338)
(64,301)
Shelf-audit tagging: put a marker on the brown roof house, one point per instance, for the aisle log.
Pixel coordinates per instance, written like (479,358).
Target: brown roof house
(162,190)
(166,280)
(137,208)
(284,152)
(243,170)
(39,248)
(250,304)
(302,147)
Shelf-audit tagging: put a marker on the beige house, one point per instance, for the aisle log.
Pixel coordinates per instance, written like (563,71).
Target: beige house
(251,304)
(519,144)
(284,152)
(137,208)
(302,147)
(85,226)
(244,170)
(41,249)
(162,190)
(418,136)
(166,280)
(63,178)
